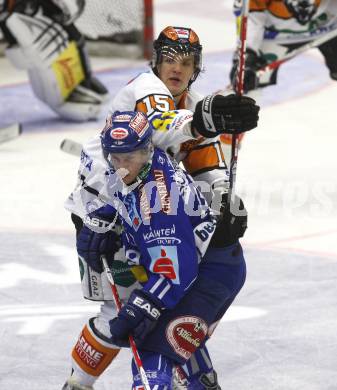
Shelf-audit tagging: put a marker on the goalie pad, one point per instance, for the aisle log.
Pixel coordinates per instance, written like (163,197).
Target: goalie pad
(70,10)
(57,68)
(39,37)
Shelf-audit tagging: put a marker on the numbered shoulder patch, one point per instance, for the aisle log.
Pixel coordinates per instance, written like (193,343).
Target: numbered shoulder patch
(154,103)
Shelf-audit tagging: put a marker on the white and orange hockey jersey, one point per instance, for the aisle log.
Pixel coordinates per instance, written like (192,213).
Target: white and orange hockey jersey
(271,24)
(203,158)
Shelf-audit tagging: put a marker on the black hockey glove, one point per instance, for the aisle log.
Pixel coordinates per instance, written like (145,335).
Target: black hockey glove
(218,114)
(232,223)
(138,317)
(253,63)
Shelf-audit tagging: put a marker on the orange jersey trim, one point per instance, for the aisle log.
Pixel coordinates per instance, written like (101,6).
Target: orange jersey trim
(203,158)
(90,355)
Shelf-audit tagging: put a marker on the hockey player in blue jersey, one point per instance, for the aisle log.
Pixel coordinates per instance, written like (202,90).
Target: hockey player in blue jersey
(179,49)
(167,228)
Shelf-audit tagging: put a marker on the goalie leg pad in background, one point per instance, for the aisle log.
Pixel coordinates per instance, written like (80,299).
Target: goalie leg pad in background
(58,70)
(91,355)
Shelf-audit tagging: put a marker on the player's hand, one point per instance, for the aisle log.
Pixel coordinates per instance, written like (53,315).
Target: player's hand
(231,114)
(138,317)
(232,223)
(91,246)
(253,63)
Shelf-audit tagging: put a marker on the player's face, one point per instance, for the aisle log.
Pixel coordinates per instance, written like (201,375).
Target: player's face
(176,72)
(128,165)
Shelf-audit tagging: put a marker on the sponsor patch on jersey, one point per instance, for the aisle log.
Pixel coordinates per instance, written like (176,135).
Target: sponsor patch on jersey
(139,124)
(130,204)
(118,133)
(162,191)
(145,209)
(163,236)
(185,334)
(164,261)
(202,234)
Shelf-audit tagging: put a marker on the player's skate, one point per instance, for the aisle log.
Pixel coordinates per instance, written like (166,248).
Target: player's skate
(72,384)
(210,381)
(206,381)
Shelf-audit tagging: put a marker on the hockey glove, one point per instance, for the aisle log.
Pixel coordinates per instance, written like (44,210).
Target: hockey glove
(138,317)
(232,223)
(218,114)
(253,63)
(91,246)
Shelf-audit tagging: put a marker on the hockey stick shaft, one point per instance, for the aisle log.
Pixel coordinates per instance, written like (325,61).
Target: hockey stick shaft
(239,92)
(118,304)
(314,43)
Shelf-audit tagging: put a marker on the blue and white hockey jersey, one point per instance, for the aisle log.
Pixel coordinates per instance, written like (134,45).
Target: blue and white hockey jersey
(167,225)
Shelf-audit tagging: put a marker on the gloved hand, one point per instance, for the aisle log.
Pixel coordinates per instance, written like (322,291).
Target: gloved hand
(218,114)
(138,317)
(253,63)
(91,246)
(232,224)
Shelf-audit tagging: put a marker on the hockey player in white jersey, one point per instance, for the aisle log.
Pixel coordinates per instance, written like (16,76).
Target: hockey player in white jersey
(43,40)
(278,27)
(192,137)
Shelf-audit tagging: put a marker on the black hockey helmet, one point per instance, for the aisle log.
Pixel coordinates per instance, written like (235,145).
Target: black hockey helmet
(177,42)
(303,10)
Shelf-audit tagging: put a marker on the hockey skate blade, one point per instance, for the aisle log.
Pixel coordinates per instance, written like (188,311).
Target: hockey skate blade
(10,132)
(71,147)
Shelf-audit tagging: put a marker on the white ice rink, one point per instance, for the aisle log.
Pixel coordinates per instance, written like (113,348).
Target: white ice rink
(281,333)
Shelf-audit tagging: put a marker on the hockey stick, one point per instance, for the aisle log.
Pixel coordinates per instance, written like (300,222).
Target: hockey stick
(10,132)
(314,43)
(239,92)
(133,346)
(71,147)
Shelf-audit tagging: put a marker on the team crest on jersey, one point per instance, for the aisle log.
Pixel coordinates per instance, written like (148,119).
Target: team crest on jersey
(164,261)
(185,334)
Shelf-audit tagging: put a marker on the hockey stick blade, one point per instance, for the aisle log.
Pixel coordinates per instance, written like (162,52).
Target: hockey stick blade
(10,132)
(71,147)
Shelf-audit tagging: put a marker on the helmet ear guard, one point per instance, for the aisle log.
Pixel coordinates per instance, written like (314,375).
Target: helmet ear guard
(175,43)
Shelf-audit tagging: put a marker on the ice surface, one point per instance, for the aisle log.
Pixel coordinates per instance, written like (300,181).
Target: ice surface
(281,332)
